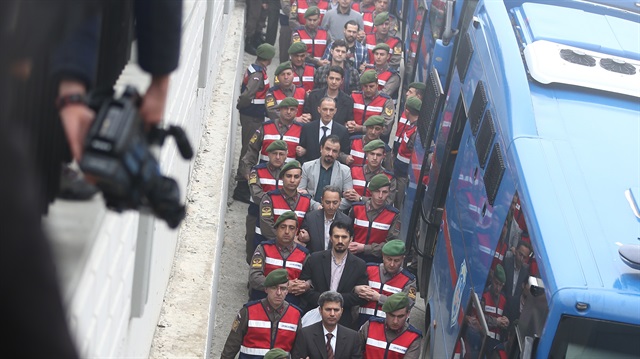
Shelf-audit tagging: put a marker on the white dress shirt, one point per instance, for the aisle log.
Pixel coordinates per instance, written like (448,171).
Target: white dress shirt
(328,125)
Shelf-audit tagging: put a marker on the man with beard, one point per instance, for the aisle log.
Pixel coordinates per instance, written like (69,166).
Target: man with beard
(313,132)
(375,222)
(386,279)
(357,54)
(313,36)
(335,19)
(325,171)
(344,102)
(281,253)
(393,332)
(375,151)
(338,56)
(285,88)
(248,334)
(382,36)
(327,338)
(316,224)
(337,270)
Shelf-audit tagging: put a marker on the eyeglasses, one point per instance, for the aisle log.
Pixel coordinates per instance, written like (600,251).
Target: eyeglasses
(281,289)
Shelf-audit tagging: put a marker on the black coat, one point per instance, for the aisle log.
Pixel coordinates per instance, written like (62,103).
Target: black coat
(344,106)
(311,343)
(314,224)
(310,139)
(318,270)
(512,310)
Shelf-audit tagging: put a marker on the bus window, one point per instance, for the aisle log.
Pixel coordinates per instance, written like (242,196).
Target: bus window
(591,338)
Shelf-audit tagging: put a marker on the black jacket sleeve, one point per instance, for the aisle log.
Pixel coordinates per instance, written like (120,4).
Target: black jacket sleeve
(159,29)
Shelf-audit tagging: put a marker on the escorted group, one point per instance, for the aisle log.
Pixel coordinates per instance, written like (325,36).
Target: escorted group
(324,178)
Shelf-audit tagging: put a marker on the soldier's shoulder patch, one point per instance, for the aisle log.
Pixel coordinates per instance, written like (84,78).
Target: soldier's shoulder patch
(235,325)
(257,263)
(254,138)
(295,37)
(294,7)
(412,293)
(266,211)
(388,111)
(397,50)
(270,101)
(253,177)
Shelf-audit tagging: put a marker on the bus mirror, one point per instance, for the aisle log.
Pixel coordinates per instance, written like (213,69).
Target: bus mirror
(536,286)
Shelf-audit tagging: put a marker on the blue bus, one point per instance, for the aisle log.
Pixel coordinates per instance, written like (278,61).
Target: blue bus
(529,138)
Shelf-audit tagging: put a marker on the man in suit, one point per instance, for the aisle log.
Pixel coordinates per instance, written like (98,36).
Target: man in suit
(337,270)
(316,224)
(314,132)
(344,102)
(325,171)
(327,339)
(517,273)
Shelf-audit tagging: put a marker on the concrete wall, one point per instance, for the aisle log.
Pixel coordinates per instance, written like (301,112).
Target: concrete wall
(117,293)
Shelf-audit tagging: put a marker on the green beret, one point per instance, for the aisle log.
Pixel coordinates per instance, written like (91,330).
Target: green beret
(368,77)
(283,66)
(381,46)
(297,48)
(288,102)
(278,276)
(312,10)
(414,103)
(381,18)
(266,51)
(498,274)
(276,353)
(418,86)
(289,166)
(374,145)
(378,181)
(394,247)
(396,302)
(286,215)
(277,145)
(375,120)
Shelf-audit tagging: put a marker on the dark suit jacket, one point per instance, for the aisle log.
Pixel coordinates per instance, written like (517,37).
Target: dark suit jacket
(318,270)
(512,310)
(311,343)
(344,106)
(310,139)
(314,224)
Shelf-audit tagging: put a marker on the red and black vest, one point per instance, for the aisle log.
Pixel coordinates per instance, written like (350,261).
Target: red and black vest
(367,19)
(403,158)
(265,178)
(316,45)
(376,230)
(402,124)
(371,42)
(307,79)
(360,182)
(299,94)
(394,285)
(357,150)
(257,340)
(293,263)
(377,347)
(270,134)
(383,77)
(362,111)
(280,206)
(256,109)
(301,6)
(495,310)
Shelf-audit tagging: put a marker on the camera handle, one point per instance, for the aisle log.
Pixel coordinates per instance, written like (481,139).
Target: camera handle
(157,136)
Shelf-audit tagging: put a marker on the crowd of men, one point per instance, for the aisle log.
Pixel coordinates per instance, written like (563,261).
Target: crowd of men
(324,187)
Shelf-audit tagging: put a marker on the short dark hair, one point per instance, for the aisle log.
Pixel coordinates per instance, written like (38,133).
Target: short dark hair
(336,69)
(330,138)
(330,296)
(330,188)
(351,22)
(341,225)
(339,43)
(525,244)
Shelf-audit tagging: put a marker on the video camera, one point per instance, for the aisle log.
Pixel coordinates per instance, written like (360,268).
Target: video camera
(117,153)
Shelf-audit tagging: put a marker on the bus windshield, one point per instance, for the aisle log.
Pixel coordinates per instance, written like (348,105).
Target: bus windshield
(590,338)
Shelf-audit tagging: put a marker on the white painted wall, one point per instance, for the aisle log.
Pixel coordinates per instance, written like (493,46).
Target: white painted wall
(99,307)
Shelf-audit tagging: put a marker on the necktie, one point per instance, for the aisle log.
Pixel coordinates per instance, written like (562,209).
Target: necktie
(324,133)
(330,354)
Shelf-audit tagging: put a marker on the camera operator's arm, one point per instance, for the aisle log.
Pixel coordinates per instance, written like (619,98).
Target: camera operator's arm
(76,117)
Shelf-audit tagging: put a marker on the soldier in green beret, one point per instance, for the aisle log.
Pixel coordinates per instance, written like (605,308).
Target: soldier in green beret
(263,178)
(386,279)
(303,72)
(379,7)
(393,329)
(283,252)
(416,89)
(406,138)
(285,87)
(493,304)
(312,35)
(388,78)
(248,335)
(255,86)
(375,152)
(374,126)
(382,34)
(369,240)
(369,102)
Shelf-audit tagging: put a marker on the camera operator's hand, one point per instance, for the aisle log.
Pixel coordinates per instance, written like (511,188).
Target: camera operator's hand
(76,117)
(154,100)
